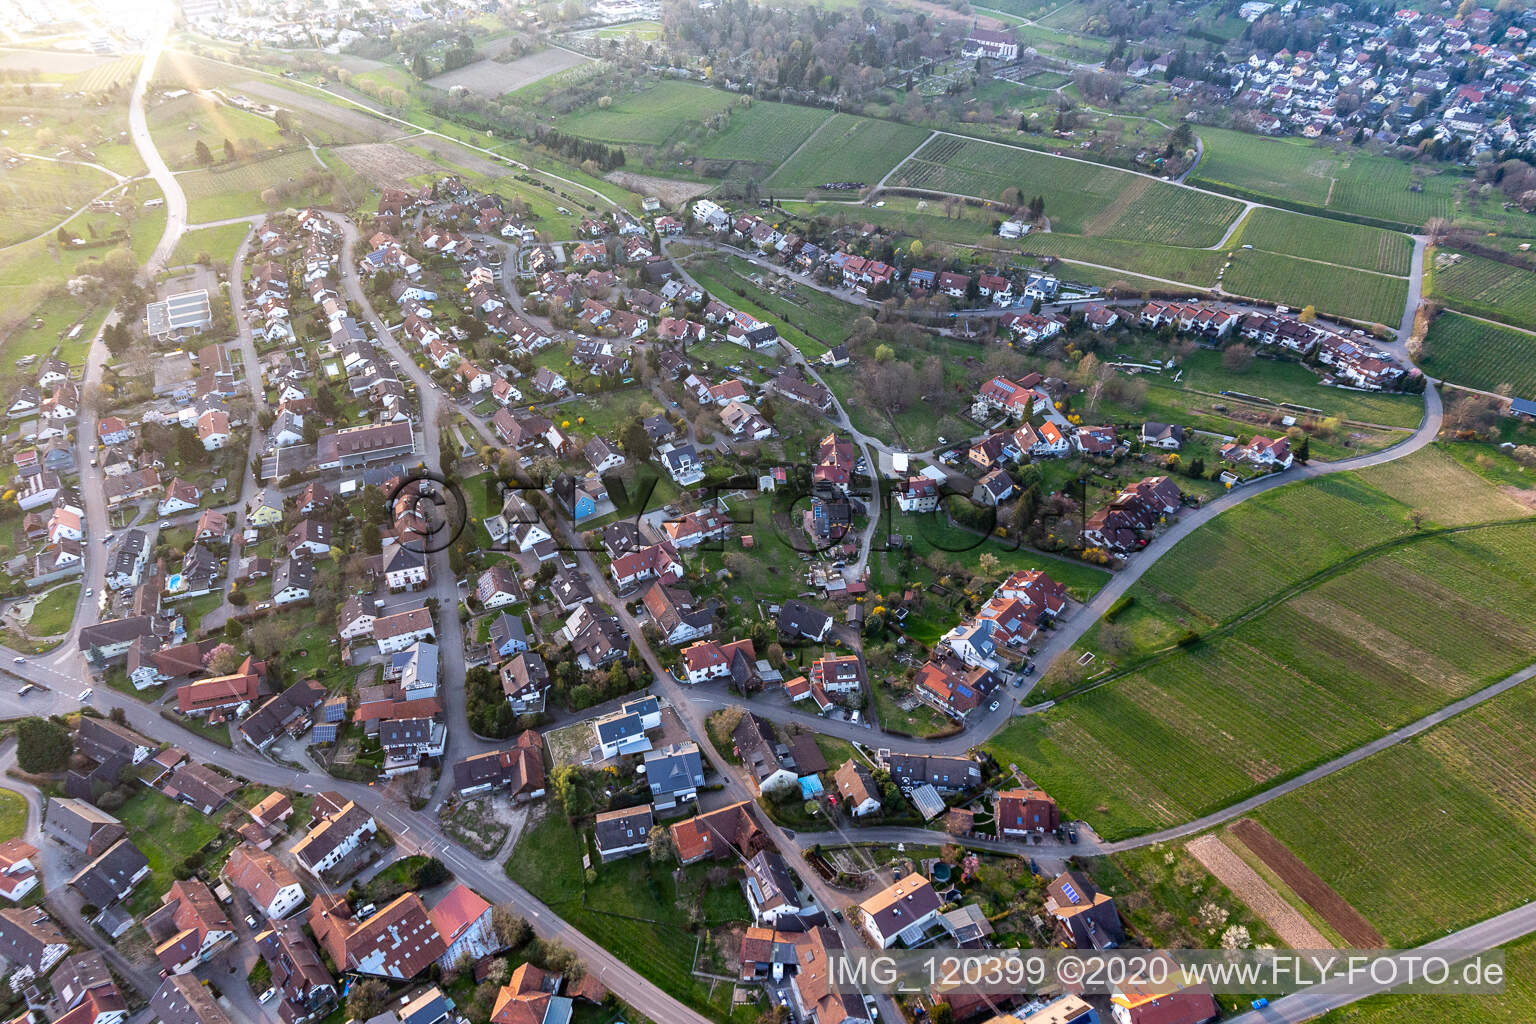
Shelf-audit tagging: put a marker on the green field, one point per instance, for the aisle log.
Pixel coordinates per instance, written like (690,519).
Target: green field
(1512,1006)
(55,611)
(1356,294)
(179,125)
(649,116)
(1080,198)
(1297,171)
(13,815)
(1484,287)
(1481,355)
(848,148)
(166,831)
(1432,834)
(237,192)
(1328,621)
(111,75)
(1326,670)
(1333,241)
(631,908)
(37,194)
(1195,267)
(765,133)
(220,243)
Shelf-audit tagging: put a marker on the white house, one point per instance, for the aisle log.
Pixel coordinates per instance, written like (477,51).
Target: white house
(908,906)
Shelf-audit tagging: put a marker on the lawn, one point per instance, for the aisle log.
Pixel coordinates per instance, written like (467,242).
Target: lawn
(764,133)
(1286,380)
(1339,291)
(605,413)
(1484,287)
(1333,241)
(219,243)
(635,910)
(1512,1006)
(847,148)
(13,815)
(1430,835)
(167,832)
(649,116)
(53,614)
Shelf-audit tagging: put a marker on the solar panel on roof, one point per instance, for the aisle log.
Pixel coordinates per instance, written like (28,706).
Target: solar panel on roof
(1070,893)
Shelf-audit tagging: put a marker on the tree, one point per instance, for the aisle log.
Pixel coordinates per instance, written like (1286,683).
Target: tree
(987,565)
(283,120)
(419,67)
(201,154)
(1307,314)
(117,338)
(635,441)
(367,999)
(512,930)
(659,842)
(42,745)
(884,353)
(1237,358)
(223,659)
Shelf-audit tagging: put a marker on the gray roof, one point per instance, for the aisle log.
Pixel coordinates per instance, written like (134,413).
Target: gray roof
(182,999)
(104,878)
(674,769)
(619,728)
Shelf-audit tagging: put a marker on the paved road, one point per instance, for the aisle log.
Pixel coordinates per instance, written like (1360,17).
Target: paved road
(1488,934)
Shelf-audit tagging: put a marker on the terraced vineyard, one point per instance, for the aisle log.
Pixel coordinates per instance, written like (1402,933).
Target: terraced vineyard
(1481,355)
(1333,241)
(648,116)
(1326,670)
(1356,294)
(848,148)
(765,133)
(1080,198)
(1430,835)
(1196,267)
(1485,287)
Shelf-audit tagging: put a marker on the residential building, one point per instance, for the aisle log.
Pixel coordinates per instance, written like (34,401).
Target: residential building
(905,909)
(622,832)
(398,941)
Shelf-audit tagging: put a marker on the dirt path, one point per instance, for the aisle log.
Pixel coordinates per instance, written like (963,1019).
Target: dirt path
(1318,894)
(1250,887)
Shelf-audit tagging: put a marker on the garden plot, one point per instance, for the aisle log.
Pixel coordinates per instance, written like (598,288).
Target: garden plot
(495,78)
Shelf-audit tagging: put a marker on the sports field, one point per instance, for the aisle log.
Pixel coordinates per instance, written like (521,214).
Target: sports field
(1333,241)
(1474,284)
(848,148)
(649,116)
(765,133)
(1431,835)
(1341,291)
(1481,355)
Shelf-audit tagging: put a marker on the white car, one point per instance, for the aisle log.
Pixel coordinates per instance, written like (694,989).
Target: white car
(89,591)
(86,694)
(995,705)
